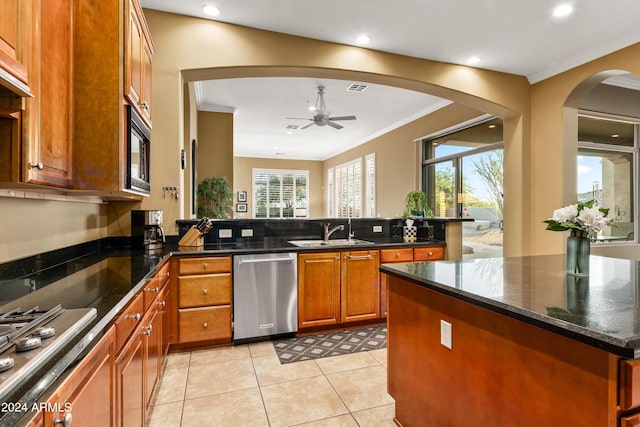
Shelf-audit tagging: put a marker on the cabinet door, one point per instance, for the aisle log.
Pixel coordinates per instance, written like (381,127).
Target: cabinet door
(88,393)
(152,337)
(360,290)
(388,256)
(138,54)
(630,421)
(164,310)
(15,27)
(318,289)
(49,113)
(129,369)
(431,253)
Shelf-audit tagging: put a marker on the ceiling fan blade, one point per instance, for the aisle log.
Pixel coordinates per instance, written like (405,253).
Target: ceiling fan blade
(297,118)
(334,125)
(306,126)
(343,118)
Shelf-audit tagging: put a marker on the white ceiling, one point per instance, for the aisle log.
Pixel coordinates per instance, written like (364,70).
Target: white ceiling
(512,36)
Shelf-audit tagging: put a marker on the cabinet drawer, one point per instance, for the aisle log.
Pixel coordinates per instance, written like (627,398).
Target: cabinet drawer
(630,420)
(431,253)
(155,285)
(396,255)
(209,289)
(629,384)
(204,265)
(128,320)
(202,324)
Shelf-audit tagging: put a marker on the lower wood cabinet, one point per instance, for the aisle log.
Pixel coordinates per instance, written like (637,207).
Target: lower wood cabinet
(337,288)
(203,299)
(630,421)
(415,254)
(85,396)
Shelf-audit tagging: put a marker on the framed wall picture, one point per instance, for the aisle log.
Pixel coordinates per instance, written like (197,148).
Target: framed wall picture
(242,196)
(241,207)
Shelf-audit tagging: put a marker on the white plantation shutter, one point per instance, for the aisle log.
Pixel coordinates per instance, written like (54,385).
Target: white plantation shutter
(348,183)
(280,193)
(330,193)
(370,185)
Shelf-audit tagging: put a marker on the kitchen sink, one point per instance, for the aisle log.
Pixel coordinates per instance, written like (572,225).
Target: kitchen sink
(330,242)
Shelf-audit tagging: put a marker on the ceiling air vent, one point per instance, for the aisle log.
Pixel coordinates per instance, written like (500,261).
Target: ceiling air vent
(293,127)
(357,87)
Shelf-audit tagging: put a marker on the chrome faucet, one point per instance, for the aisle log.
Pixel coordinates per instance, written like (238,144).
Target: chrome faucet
(329,231)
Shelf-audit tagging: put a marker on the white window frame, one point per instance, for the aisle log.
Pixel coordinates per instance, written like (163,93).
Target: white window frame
(297,213)
(370,185)
(349,179)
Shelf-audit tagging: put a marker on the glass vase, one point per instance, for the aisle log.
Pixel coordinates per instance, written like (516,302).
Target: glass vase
(578,251)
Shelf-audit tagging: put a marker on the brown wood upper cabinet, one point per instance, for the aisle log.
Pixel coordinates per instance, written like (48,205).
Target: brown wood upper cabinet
(15,28)
(37,145)
(138,55)
(102,44)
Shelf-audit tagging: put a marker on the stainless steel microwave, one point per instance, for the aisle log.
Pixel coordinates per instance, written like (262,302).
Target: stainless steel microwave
(138,152)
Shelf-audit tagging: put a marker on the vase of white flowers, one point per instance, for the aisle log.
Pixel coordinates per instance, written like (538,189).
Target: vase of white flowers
(583,221)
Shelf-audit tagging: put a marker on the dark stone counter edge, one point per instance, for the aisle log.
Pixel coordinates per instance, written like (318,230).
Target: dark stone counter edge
(82,347)
(624,348)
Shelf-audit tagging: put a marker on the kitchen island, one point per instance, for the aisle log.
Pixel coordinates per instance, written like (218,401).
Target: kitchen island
(514,341)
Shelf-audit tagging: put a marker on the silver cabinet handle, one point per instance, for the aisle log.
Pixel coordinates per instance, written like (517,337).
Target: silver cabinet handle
(64,421)
(162,303)
(153,290)
(205,291)
(205,325)
(205,265)
(38,166)
(368,256)
(135,317)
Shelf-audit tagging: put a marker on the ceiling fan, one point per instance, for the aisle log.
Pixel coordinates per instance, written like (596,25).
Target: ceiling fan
(322,116)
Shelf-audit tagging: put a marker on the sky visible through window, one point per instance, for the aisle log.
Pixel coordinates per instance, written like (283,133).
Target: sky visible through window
(589,173)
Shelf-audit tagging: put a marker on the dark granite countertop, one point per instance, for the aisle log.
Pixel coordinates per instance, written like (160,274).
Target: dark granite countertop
(602,310)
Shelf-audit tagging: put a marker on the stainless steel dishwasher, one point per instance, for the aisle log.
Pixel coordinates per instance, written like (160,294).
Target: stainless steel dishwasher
(265,295)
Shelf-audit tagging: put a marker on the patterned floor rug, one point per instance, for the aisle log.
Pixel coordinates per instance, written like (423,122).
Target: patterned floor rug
(330,344)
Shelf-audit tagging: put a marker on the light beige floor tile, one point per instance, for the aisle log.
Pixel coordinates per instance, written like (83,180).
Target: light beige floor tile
(362,388)
(216,378)
(381,416)
(222,354)
(172,386)
(167,415)
(235,409)
(270,371)
(264,348)
(346,362)
(340,421)
(177,360)
(300,401)
(380,356)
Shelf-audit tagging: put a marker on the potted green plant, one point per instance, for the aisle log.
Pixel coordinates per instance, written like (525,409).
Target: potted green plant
(416,205)
(215,198)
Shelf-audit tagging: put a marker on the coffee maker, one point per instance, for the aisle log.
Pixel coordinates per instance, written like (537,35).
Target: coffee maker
(146,230)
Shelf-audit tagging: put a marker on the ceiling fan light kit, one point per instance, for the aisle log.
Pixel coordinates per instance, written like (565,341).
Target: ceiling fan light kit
(322,117)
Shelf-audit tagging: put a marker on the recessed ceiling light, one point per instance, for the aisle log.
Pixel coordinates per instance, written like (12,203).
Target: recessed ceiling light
(615,135)
(473,60)
(312,108)
(210,10)
(363,39)
(562,10)
(492,126)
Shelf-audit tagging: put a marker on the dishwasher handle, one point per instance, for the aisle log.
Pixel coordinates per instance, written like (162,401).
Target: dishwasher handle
(261,260)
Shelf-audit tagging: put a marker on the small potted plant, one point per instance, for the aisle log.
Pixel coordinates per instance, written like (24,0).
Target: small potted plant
(416,205)
(215,198)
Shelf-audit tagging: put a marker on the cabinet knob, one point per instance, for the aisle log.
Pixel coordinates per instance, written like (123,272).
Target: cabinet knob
(205,325)
(38,166)
(153,290)
(162,303)
(205,291)
(146,330)
(430,253)
(64,421)
(135,317)
(398,255)
(205,265)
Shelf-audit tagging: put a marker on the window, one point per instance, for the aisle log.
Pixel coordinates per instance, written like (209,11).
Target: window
(607,157)
(280,193)
(370,184)
(348,184)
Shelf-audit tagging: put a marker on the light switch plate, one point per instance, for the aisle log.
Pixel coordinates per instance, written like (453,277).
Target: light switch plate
(446,334)
(377,229)
(247,232)
(225,234)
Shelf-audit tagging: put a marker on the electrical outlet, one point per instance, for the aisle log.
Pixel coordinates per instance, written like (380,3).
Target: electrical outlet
(377,229)
(247,232)
(446,334)
(225,234)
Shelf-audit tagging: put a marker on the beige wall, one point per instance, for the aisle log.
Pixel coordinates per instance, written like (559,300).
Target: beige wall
(398,156)
(554,143)
(215,145)
(242,179)
(182,43)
